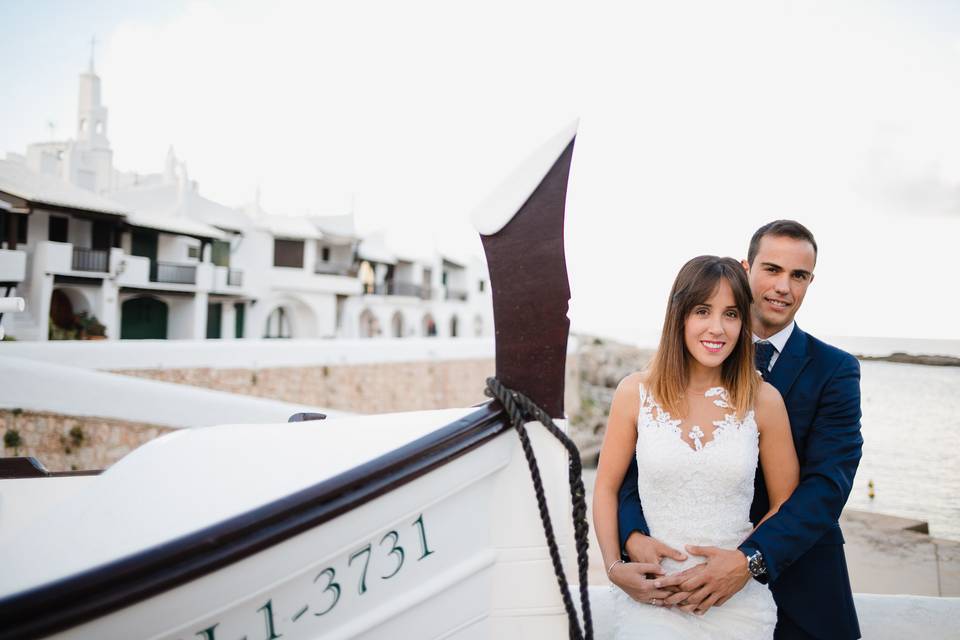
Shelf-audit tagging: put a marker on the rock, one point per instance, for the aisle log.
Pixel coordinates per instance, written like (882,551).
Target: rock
(602,365)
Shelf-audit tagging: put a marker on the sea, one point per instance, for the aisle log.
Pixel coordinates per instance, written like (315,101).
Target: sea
(911,431)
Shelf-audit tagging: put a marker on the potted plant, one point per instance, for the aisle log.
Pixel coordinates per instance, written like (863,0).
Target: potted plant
(90,327)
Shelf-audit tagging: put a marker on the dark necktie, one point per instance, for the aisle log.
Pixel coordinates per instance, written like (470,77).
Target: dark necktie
(762,356)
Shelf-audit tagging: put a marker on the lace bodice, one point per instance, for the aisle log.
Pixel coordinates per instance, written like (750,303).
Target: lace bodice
(696,487)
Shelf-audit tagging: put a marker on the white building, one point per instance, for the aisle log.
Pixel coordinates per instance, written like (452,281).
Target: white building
(147,256)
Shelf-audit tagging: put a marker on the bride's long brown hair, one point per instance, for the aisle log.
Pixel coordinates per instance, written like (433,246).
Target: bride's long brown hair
(669,371)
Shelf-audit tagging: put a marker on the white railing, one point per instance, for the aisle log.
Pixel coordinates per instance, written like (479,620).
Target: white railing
(13,265)
(10,305)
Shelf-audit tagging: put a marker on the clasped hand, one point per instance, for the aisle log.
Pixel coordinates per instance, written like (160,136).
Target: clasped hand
(695,590)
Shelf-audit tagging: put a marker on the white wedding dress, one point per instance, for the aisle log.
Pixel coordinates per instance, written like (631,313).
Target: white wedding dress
(697,494)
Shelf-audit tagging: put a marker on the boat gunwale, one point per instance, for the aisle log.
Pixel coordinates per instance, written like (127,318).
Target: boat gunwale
(93,593)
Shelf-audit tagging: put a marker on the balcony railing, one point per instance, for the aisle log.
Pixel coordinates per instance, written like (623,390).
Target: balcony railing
(456,294)
(399,289)
(234,278)
(175,273)
(332,268)
(90,260)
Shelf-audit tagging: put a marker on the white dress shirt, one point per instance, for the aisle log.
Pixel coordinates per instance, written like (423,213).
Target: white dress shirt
(778,340)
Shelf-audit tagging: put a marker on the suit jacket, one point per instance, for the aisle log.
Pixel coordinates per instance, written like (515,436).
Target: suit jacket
(802,544)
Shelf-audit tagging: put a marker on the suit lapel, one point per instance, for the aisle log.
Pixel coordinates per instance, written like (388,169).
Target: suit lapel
(790,362)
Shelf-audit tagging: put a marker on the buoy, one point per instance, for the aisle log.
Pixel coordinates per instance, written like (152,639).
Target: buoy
(870,491)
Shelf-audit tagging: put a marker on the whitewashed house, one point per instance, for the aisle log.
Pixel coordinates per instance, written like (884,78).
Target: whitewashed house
(418,295)
(150,257)
(61,251)
(198,255)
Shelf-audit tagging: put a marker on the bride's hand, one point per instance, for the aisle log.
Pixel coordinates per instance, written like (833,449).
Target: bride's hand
(711,583)
(632,578)
(641,548)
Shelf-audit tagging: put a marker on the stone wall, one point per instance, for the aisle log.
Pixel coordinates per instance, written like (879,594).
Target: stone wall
(64,443)
(71,443)
(359,388)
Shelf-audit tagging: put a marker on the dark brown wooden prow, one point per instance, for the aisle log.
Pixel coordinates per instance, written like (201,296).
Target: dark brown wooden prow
(531,294)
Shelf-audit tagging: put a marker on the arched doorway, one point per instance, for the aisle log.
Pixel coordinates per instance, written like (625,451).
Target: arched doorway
(278,324)
(143,318)
(429,328)
(369,327)
(396,325)
(61,310)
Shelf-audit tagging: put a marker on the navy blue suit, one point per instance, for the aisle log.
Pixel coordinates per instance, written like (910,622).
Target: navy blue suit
(802,544)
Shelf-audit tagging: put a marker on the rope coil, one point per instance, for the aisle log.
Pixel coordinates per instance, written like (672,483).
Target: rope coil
(521,410)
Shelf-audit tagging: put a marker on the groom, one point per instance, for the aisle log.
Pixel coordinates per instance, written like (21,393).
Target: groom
(798,551)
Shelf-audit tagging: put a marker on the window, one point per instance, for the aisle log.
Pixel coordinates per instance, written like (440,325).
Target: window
(325,254)
(288,253)
(21,222)
(483,285)
(193,252)
(57,231)
(8,219)
(220,253)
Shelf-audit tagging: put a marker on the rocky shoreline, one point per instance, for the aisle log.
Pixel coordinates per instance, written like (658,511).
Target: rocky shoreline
(603,363)
(907,358)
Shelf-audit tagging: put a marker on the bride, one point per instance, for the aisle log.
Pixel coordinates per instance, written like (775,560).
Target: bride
(697,420)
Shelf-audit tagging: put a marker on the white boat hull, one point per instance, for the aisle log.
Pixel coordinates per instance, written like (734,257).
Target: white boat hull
(457,553)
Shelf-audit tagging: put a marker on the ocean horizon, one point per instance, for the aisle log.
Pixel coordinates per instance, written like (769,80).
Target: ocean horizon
(857,345)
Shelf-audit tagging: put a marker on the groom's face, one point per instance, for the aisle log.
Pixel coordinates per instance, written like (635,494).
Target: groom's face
(779,276)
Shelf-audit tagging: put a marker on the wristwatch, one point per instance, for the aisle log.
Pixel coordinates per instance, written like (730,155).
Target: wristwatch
(756,565)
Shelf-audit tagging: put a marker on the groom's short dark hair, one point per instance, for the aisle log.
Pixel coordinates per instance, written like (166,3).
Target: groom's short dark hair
(788,228)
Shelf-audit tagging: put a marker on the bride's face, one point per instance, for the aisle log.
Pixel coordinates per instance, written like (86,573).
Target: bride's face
(712,328)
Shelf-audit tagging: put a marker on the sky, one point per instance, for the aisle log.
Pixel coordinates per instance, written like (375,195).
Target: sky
(699,122)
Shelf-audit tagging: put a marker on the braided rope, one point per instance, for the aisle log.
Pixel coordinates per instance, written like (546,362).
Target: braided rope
(521,410)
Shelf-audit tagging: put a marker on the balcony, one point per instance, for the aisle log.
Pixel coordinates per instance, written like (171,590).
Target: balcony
(90,260)
(13,265)
(173,273)
(456,294)
(399,289)
(63,258)
(333,269)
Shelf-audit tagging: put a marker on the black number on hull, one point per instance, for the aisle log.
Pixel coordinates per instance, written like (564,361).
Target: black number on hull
(366,564)
(331,573)
(423,538)
(396,550)
(268,615)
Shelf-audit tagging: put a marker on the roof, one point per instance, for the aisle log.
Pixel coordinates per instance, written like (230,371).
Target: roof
(176,224)
(374,248)
(165,199)
(296,227)
(39,189)
(336,227)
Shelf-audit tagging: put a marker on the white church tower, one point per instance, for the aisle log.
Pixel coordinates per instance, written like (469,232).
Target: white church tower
(87,161)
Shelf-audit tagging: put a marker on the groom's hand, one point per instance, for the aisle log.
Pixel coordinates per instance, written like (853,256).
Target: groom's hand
(632,578)
(711,583)
(641,548)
